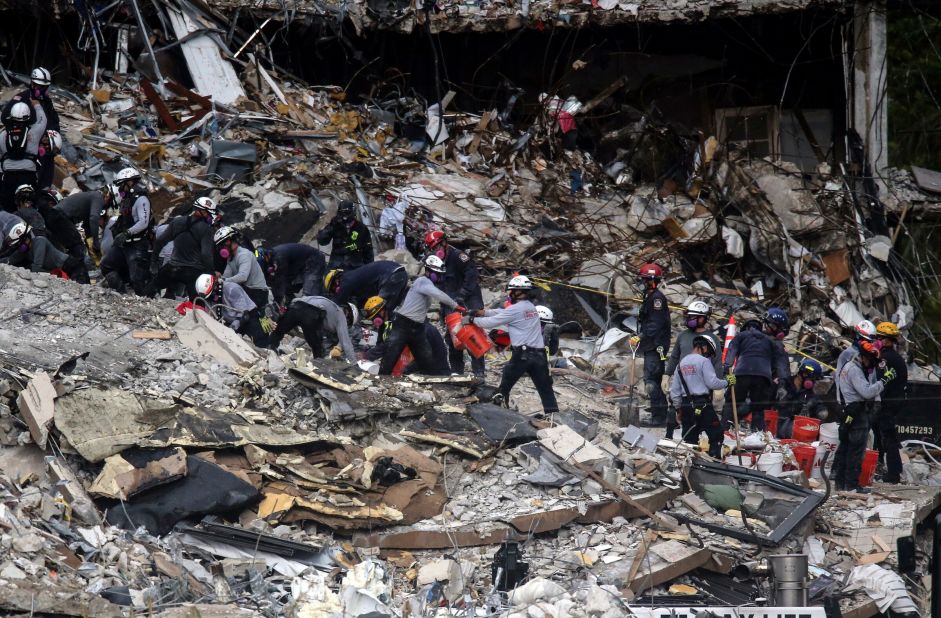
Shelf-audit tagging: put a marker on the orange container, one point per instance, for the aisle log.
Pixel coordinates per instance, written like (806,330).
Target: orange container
(771,422)
(475,340)
(806,429)
(453,323)
(805,455)
(868,471)
(405,359)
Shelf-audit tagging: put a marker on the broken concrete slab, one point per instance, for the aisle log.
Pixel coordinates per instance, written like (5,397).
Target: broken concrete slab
(71,489)
(36,404)
(570,447)
(198,331)
(136,470)
(99,422)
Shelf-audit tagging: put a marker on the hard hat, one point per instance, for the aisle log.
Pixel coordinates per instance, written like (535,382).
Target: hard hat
(705,342)
(113,191)
(206,204)
(354,313)
(866,330)
(520,282)
(17,232)
(867,349)
(434,264)
(751,324)
(650,271)
(24,192)
(698,307)
(545,313)
(40,76)
(53,194)
(205,284)
(434,238)
(128,173)
(223,234)
(55,140)
(20,112)
(777,317)
(809,365)
(887,329)
(332,280)
(374,304)
(345,208)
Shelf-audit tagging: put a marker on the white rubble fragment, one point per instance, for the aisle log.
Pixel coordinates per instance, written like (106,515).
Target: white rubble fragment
(535,590)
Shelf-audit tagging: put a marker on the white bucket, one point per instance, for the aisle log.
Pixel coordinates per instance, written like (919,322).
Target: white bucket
(747,460)
(829,441)
(771,463)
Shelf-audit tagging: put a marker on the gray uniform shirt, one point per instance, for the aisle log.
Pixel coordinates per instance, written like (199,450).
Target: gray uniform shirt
(521,320)
(85,208)
(107,235)
(36,131)
(419,299)
(684,346)
(700,375)
(244,269)
(334,320)
(846,356)
(140,211)
(237,304)
(41,257)
(855,386)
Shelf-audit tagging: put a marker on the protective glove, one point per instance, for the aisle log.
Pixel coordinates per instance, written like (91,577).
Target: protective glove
(119,240)
(730,378)
(460,308)
(635,340)
(889,375)
(848,420)
(467,319)
(268,325)
(336,352)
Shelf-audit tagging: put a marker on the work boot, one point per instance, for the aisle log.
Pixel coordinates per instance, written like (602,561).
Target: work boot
(862,490)
(499,400)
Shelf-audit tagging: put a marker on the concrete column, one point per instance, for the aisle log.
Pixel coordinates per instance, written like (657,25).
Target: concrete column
(869,105)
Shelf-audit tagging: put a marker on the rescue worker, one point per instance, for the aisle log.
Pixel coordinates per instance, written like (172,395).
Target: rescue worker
(858,392)
(39,81)
(408,321)
(529,354)
(550,330)
(39,255)
(694,379)
(800,399)
(697,316)
(7,222)
(316,314)
(19,149)
(292,268)
(864,331)
(88,208)
(461,281)
(232,305)
(439,352)
(60,230)
(25,199)
(893,396)
(352,245)
(241,266)
(127,261)
(191,256)
(384,280)
(755,361)
(654,339)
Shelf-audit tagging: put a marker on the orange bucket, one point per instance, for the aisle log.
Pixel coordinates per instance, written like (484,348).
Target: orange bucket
(868,471)
(475,340)
(804,455)
(405,359)
(806,429)
(453,323)
(771,422)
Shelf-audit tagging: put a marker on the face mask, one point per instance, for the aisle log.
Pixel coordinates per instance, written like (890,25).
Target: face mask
(692,323)
(209,219)
(433,276)
(38,92)
(224,253)
(377,322)
(877,344)
(779,335)
(272,270)
(808,384)
(23,247)
(439,253)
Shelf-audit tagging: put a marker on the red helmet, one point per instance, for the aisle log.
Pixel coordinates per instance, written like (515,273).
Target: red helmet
(650,271)
(434,238)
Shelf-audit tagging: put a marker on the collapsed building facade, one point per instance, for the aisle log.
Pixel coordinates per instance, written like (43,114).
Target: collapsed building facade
(741,144)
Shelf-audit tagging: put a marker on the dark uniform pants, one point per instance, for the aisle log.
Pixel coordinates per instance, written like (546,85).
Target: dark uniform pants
(131,262)
(653,375)
(309,318)
(346,261)
(259,296)
(251,326)
(312,279)
(405,332)
(75,268)
(889,441)
(848,460)
(699,416)
(171,276)
(531,362)
(756,390)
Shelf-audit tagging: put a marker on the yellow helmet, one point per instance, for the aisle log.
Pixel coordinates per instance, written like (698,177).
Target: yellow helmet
(887,329)
(374,304)
(332,280)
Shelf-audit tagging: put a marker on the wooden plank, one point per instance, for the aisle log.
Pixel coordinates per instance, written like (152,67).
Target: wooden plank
(162,110)
(151,334)
(837,265)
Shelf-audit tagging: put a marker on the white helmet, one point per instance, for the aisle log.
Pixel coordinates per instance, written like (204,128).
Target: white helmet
(20,112)
(24,192)
(545,313)
(520,282)
(128,173)
(40,76)
(698,307)
(53,194)
(434,264)
(205,284)
(205,203)
(55,140)
(866,330)
(17,232)
(113,192)
(354,313)
(223,234)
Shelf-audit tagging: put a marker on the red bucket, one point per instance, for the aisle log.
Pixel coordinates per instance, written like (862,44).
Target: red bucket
(771,422)
(405,359)
(806,429)
(805,455)
(453,323)
(868,471)
(475,340)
